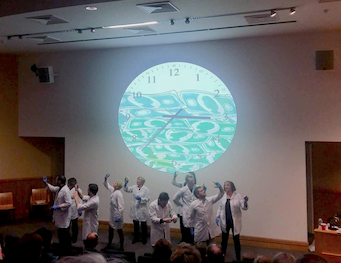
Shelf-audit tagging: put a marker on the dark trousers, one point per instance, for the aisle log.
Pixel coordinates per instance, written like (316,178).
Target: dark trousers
(236,241)
(74,230)
(111,236)
(182,228)
(64,237)
(187,237)
(137,231)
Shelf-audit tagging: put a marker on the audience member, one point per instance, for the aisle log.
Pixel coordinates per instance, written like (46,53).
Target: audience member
(30,248)
(46,235)
(162,249)
(311,258)
(86,258)
(91,242)
(202,247)
(283,257)
(215,254)
(262,259)
(185,253)
(247,257)
(11,248)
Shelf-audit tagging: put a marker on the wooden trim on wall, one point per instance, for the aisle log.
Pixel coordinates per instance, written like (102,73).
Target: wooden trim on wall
(244,240)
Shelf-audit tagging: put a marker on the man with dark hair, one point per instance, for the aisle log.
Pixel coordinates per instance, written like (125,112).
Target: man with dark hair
(90,208)
(215,254)
(185,253)
(201,216)
(74,214)
(184,197)
(161,214)
(311,258)
(61,215)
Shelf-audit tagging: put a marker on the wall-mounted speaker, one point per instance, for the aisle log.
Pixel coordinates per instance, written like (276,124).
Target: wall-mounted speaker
(45,74)
(324,60)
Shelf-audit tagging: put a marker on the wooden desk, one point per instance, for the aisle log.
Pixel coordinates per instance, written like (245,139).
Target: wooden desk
(328,245)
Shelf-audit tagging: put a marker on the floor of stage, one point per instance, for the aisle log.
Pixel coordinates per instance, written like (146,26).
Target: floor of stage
(20,228)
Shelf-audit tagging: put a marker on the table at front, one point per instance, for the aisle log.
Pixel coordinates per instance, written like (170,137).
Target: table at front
(328,245)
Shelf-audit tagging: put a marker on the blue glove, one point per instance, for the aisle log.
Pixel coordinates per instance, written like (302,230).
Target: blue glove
(117,219)
(217,221)
(126,180)
(45,179)
(246,199)
(203,186)
(192,232)
(79,213)
(138,197)
(217,185)
(106,176)
(55,207)
(175,174)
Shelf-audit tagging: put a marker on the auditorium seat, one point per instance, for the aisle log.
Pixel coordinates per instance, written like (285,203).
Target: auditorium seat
(6,202)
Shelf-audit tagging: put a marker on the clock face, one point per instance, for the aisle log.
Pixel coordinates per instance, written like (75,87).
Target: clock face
(177,116)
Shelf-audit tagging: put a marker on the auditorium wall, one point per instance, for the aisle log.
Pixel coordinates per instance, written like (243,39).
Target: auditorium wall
(281,100)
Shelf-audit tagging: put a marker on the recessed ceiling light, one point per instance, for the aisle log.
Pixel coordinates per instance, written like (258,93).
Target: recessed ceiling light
(91,8)
(132,25)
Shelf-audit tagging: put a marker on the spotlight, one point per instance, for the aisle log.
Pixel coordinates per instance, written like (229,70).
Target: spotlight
(20,37)
(92,30)
(187,21)
(35,69)
(79,31)
(9,38)
(292,11)
(171,22)
(273,13)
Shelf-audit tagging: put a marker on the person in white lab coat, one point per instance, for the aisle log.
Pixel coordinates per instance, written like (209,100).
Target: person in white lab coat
(180,185)
(74,214)
(61,215)
(138,207)
(161,214)
(184,197)
(90,208)
(116,211)
(229,215)
(201,215)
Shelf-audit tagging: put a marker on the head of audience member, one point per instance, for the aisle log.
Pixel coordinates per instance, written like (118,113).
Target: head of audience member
(262,259)
(185,253)
(91,241)
(93,189)
(162,249)
(71,183)
(229,187)
(46,235)
(31,247)
(247,257)
(190,181)
(311,258)
(283,257)
(199,193)
(163,199)
(215,254)
(61,180)
(202,248)
(117,185)
(140,181)
(85,258)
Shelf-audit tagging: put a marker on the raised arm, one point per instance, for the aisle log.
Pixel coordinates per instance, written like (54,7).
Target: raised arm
(174,182)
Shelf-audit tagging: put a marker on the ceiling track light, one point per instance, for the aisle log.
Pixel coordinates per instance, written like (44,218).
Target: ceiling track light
(20,37)
(273,13)
(187,21)
(92,30)
(79,31)
(292,10)
(171,22)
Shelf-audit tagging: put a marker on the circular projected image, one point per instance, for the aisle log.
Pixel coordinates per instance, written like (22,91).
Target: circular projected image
(177,116)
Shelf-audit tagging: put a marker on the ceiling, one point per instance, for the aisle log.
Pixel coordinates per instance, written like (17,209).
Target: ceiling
(208,20)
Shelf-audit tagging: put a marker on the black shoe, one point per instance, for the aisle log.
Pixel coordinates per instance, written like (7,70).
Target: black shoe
(135,241)
(108,247)
(144,242)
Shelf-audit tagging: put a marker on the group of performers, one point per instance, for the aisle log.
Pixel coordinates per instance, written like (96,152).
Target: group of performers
(195,211)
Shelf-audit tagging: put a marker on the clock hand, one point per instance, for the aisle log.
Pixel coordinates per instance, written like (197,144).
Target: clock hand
(158,132)
(185,117)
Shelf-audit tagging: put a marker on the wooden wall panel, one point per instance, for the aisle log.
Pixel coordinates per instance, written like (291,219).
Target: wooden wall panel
(21,189)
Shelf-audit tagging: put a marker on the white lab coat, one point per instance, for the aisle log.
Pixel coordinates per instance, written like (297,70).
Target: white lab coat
(236,204)
(180,185)
(90,221)
(184,197)
(73,207)
(138,208)
(61,216)
(202,218)
(116,206)
(156,213)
